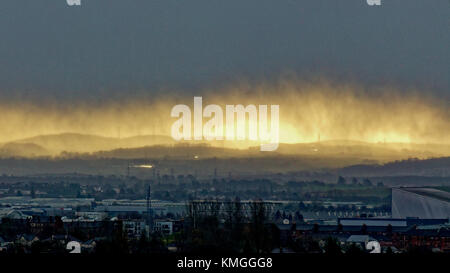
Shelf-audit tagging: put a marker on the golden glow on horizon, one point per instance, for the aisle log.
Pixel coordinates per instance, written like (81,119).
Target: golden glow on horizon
(306,111)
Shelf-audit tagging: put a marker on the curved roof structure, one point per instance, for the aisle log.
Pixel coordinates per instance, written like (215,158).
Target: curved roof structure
(424,203)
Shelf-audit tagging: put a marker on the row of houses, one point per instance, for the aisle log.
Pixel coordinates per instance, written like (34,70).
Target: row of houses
(397,234)
(25,230)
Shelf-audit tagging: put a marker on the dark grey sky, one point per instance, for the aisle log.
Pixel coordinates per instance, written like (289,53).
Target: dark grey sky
(48,49)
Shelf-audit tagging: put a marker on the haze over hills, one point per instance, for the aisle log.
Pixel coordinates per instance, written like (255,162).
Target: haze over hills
(23,150)
(378,151)
(158,146)
(281,168)
(411,167)
(90,154)
(77,143)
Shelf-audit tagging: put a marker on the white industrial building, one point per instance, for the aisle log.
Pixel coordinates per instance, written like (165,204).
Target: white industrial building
(423,203)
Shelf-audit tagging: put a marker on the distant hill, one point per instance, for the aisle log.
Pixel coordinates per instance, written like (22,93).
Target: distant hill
(83,143)
(72,144)
(411,167)
(378,151)
(14,149)
(189,151)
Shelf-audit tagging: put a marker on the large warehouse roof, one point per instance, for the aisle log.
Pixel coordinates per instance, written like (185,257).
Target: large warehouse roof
(430,192)
(423,203)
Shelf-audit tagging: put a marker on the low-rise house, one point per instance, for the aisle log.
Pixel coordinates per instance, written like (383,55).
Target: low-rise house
(27,239)
(359,239)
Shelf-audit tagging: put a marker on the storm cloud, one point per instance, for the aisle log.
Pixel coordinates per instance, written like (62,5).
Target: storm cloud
(118,48)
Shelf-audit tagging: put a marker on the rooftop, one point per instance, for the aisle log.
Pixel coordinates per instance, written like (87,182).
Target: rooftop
(429,192)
